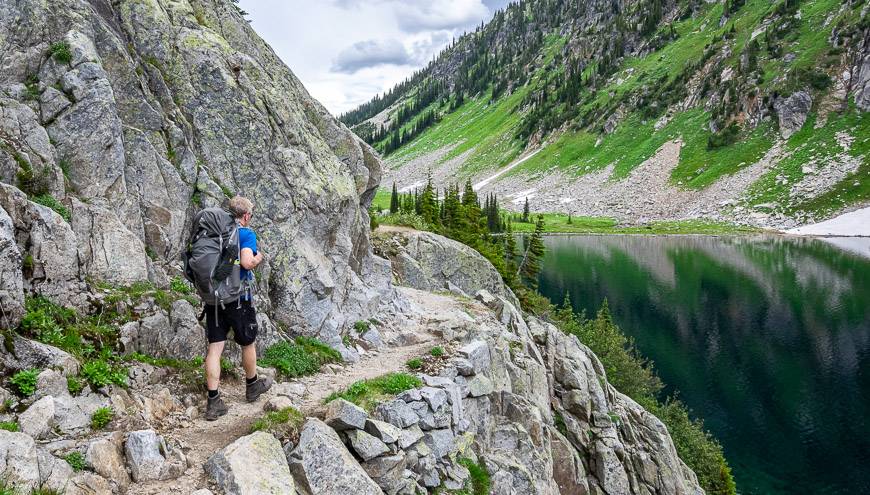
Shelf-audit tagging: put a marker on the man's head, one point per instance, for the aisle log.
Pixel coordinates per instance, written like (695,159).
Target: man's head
(241,208)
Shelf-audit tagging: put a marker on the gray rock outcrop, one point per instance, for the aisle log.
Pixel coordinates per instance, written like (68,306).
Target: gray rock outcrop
(164,107)
(321,464)
(861,83)
(151,458)
(11,276)
(431,262)
(252,465)
(792,112)
(19,465)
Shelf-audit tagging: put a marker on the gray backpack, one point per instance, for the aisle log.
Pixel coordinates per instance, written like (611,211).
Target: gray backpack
(211,262)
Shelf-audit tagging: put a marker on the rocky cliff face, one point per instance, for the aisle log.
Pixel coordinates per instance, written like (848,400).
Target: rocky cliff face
(132,115)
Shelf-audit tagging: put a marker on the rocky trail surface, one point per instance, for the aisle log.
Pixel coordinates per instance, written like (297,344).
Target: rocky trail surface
(200,439)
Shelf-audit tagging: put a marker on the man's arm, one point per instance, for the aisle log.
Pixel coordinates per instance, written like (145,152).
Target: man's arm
(249,260)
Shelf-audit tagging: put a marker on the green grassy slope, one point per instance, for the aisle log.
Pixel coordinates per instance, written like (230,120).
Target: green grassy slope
(488,130)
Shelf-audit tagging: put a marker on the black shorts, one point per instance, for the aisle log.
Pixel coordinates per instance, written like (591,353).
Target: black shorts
(242,321)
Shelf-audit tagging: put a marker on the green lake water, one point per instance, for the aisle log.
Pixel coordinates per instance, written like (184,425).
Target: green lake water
(766,338)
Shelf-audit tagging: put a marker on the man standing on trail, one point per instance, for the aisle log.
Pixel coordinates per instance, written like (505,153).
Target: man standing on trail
(238,316)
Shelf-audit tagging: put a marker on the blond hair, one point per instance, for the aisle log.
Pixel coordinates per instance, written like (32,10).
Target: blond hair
(239,206)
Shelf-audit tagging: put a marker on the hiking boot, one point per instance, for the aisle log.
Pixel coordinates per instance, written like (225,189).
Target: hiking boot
(215,408)
(256,389)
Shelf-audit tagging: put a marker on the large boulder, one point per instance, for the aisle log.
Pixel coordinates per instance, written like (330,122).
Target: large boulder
(11,279)
(38,420)
(149,457)
(431,262)
(861,82)
(252,465)
(322,465)
(19,464)
(49,246)
(792,112)
(108,250)
(106,458)
(343,415)
(178,335)
(21,353)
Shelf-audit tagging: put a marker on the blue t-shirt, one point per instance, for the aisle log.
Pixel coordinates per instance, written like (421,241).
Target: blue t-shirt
(247,239)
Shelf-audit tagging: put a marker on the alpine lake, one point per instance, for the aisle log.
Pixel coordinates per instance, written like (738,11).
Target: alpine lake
(766,338)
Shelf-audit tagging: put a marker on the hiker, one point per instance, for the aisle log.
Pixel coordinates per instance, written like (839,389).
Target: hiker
(220,260)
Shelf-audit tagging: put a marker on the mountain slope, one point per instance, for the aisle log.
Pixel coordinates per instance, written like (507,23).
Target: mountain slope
(749,111)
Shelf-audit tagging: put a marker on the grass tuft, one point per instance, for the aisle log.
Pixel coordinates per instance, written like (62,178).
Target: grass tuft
(61,52)
(24,382)
(304,356)
(102,417)
(284,424)
(76,460)
(369,393)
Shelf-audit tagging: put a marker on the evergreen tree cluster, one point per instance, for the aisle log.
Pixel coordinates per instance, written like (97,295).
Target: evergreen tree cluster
(458,214)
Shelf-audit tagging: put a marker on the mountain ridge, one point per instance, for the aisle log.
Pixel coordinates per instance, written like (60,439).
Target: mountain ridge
(779,88)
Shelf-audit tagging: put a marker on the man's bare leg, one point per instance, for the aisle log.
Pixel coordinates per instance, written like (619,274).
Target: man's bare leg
(215,406)
(213,365)
(249,360)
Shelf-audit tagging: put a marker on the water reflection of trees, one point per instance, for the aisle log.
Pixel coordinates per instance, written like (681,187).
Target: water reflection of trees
(767,338)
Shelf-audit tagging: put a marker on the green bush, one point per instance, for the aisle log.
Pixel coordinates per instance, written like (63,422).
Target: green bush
(9,425)
(7,488)
(25,382)
(369,393)
(414,364)
(177,284)
(362,326)
(76,461)
(102,417)
(436,351)
(696,447)
(725,137)
(626,370)
(302,357)
(100,373)
(31,91)
(45,491)
(478,479)
(284,424)
(405,219)
(52,202)
(74,385)
(32,182)
(61,52)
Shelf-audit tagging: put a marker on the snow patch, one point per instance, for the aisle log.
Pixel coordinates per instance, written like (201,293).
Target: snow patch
(503,171)
(853,224)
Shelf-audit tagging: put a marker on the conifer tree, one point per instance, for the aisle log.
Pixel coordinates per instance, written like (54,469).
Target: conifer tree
(530,266)
(394,200)
(427,205)
(510,248)
(526,211)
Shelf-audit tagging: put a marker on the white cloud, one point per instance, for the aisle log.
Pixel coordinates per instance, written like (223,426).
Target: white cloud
(347,51)
(422,15)
(371,53)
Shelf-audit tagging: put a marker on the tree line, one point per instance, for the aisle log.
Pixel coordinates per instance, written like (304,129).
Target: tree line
(459,215)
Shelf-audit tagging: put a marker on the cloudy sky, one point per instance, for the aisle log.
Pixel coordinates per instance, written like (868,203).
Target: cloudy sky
(347,51)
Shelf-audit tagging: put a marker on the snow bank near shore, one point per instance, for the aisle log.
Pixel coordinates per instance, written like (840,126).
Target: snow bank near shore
(855,223)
